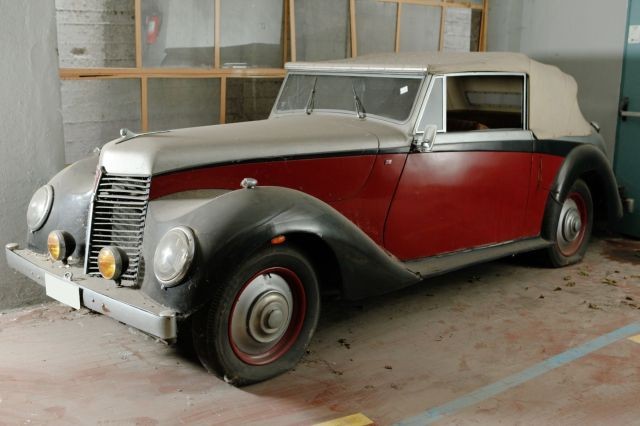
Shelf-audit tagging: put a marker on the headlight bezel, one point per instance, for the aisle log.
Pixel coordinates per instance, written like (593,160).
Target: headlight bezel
(190,240)
(48,204)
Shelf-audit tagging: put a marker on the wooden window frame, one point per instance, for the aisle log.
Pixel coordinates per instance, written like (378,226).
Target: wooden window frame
(143,74)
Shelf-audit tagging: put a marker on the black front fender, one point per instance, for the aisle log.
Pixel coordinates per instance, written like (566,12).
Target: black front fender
(72,190)
(232,226)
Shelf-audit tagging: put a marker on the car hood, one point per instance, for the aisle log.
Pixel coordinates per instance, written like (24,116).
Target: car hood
(292,136)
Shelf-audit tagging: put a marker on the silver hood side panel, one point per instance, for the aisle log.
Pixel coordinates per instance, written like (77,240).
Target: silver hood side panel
(279,137)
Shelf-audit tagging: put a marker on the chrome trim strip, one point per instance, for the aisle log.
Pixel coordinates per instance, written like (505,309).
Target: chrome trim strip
(126,305)
(484,136)
(438,265)
(162,325)
(23,266)
(370,69)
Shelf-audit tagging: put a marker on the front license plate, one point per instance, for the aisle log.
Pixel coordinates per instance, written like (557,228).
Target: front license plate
(62,290)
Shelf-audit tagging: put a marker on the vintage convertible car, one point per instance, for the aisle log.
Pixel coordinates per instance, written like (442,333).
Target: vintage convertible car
(371,174)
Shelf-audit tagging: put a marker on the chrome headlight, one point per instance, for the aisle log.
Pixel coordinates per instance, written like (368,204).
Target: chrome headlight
(39,207)
(174,255)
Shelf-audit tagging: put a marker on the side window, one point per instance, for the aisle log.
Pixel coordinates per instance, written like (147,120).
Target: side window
(482,102)
(433,113)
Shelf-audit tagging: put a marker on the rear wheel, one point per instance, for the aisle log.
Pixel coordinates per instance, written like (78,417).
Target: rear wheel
(573,227)
(261,320)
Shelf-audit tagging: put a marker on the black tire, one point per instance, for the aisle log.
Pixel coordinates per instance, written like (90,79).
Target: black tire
(252,303)
(571,236)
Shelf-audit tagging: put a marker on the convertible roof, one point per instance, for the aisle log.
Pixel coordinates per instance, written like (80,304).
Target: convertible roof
(553,104)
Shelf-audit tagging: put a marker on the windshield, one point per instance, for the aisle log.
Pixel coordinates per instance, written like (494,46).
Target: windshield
(389,97)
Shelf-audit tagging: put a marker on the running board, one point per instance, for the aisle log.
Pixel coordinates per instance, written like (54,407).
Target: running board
(437,265)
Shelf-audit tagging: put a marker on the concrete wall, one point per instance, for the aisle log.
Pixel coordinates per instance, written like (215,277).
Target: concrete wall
(585,38)
(31,143)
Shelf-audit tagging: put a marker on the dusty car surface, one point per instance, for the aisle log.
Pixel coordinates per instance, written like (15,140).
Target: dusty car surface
(371,174)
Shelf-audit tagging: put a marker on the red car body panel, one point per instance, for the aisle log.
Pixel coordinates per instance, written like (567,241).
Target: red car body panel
(543,173)
(360,187)
(460,200)
(369,208)
(327,178)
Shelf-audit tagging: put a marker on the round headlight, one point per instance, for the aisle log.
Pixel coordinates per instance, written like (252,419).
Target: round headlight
(173,255)
(60,244)
(39,207)
(112,262)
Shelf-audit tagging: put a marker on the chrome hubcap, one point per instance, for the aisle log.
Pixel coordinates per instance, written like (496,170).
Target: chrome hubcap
(262,314)
(570,223)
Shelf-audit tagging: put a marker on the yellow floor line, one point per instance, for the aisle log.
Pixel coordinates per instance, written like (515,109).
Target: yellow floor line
(635,338)
(357,419)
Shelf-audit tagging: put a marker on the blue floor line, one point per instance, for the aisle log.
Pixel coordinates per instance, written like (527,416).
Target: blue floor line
(433,414)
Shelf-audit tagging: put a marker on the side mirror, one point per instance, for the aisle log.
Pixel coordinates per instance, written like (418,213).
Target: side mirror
(424,141)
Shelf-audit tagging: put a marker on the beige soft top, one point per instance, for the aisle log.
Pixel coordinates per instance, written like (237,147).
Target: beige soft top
(553,103)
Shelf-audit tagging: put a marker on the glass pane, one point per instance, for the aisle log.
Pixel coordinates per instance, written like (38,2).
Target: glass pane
(251,33)
(176,103)
(391,97)
(376,26)
(476,23)
(484,102)
(420,28)
(322,29)
(457,30)
(96,33)
(177,34)
(433,111)
(251,99)
(94,111)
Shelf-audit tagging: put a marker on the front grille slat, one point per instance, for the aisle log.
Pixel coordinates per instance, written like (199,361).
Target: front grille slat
(118,219)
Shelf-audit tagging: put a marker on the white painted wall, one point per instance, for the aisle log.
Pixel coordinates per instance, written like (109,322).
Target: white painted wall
(31,142)
(585,38)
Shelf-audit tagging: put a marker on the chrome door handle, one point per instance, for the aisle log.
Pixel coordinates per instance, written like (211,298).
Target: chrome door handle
(624,112)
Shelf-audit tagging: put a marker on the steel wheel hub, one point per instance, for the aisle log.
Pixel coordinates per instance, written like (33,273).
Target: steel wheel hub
(571,222)
(262,314)
(571,225)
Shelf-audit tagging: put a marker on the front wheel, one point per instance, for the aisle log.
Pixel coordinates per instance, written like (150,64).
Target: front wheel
(261,320)
(573,227)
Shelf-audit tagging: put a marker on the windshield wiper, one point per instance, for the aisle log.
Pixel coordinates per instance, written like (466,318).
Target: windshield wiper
(312,97)
(359,107)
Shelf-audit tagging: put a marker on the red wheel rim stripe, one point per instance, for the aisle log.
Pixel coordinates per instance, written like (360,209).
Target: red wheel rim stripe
(582,209)
(295,326)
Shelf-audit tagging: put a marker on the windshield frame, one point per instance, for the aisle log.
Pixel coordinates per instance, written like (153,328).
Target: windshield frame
(422,76)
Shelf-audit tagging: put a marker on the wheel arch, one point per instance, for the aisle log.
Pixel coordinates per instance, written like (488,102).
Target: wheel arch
(590,164)
(236,225)
(323,259)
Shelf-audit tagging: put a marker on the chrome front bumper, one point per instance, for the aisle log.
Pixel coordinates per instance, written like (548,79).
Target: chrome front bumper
(126,305)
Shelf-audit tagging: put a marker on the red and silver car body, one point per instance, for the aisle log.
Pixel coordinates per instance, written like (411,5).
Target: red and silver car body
(416,164)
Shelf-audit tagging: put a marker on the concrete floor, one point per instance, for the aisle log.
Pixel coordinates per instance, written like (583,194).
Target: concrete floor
(455,350)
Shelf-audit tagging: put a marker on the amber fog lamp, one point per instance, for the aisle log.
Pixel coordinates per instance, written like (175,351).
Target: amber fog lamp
(61,245)
(112,262)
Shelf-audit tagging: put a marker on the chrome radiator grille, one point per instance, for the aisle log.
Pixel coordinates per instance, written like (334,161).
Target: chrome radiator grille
(118,216)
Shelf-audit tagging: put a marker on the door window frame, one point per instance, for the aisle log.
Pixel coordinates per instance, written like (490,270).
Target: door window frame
(444,77)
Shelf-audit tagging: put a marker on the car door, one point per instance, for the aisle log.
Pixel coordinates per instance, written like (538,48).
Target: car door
(468,188)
